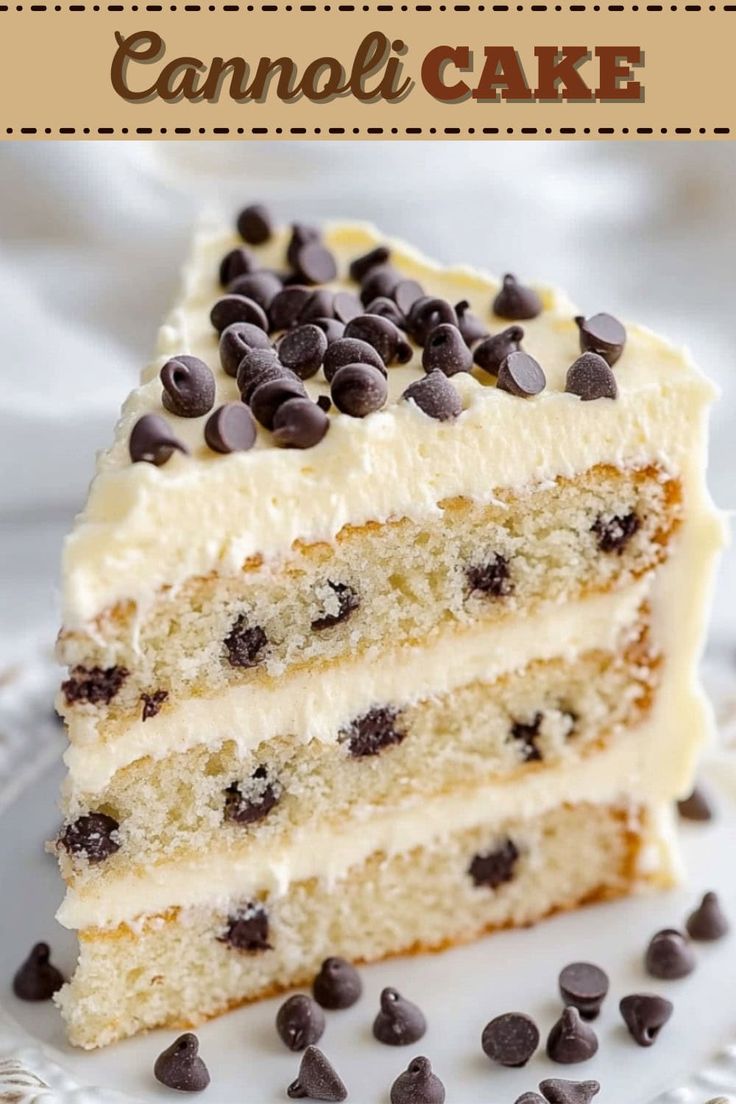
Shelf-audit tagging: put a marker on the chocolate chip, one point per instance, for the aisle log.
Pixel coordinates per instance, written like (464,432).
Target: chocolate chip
(317,1079)
(359,389)
(571,1040)
(152,703)
(372,732)
(669,955)
(526,734)
(231,428)
(300,1022)
(350,350)
(258,287)
(299,423)
(494,868)
(361,266)
(337,985)
(96,685)
(530,1098)
(262,798)
(36,979)
(445,350)
(239,339)
(613,533)
(301,235)
(256,367)
(645,1015)
(380,281)
(584,986)
(267,397)
(427,313)
(237,308)
(557,1091)
(303,349)
(516,302)
(244,643)
(435,396)
(91,836)
(492,352)
(418,1085)
(469,324)
(238,262)
(180,1067)
(492,578)
(315,264)
(406,293)
(696,807)
(708,922)
(385,337)
(510,1039)
(320,304)
(590,378)
(386,308)
(399,1022)
(254,224)
(346,306)
(287,305)
(247,929)
(602,334)
(331,328)
(347,602)
(189,387)
(324,402)
(152,441)
(521,375)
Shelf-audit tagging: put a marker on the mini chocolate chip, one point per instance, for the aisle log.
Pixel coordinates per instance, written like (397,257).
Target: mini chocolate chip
(350,350)
(359,389)
(180,1067)
(515,301)
(590,378)
(303,349)
(361,266)
(347,603)
(91,836)
(406,293)
(320,304)
(346,306)
(385,337)
(237,308)
(571,1040)
(613,533)
(427,313)
(492,578)
(301,235)
(317,1080)
(469,324)
(189,387)
(669,955)
(525,733)
(239,339)
(418,1085)
(152,440)
(315,264)
(287,305)
(494,868)
(708,922)
(152,703)
(247,929)
(380,281)
(254,224)
(37,979)
(331,328)
(238,262)
(521,375)
(557,1091)
(259,287)
(96,685)
(300,1022)
(696,806)
(645,1014)
(492,352)
(324,402)
(256,367)
(231,428)
(244,643)
(602,334)
(386,308)
(299,423)
(266,399)
(435,396)
(337,985)
(584,986)
(399,1022)
(510,1039)
(446,351)
(262,798)
(372,732)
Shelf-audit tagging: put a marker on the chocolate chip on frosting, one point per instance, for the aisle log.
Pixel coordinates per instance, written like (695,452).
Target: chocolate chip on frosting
(180,1067)
(237,308)
(299,423)
(492,352)
(590,378)
(96,685)
(244,643)
(259,287)
(239,339)
(315,264)
(515,301)
(346,306)
(494,868)
(613,532)
(359,389)
(256,367)
(373,731)
(337,985)
(602,334)
(189,387)
(331,328)
(231,428)
(521,375)
(247,929)
(399,1022)
(302,350)
(92,836)
(254,224)
(418,1085)
(287,305)
(37,979)
(238,262)
(491,578)
(405,295)
(320,304)
(446,351)
(301,235)
(571,1040)
(261,798)
(152,703)
(669,955)
(469,324)
(350,350)
(385,337)
(584,986)
(510,1039)
(435,396)
(152,440)
(696,806)
(317,1080)
(645,1014)
(380,280)
(708,922)
(300,1022)
(426,313)
(267,397)
(361,266)
(386,308)
(558,1091)
(346,601)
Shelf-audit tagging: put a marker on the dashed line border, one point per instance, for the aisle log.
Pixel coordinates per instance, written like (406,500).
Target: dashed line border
(394,132)
(382,8)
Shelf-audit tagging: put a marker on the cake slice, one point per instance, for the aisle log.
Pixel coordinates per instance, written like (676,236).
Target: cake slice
(382,622)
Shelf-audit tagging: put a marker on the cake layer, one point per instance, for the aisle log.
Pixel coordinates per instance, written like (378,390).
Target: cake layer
(179,968)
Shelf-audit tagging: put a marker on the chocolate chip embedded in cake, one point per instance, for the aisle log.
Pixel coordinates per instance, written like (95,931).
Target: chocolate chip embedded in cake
(95,685)
(244,643)
(248,929)
(494,868)
(93,836)
(373,732)
(339,601)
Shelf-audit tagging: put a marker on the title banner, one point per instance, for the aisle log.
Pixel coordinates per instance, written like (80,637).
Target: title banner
(367,70)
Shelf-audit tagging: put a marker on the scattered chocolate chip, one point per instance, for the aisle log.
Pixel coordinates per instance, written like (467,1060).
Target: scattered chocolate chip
(492,578)
(346,306)
(231,428)
(571,1040)
(427,313)
(350,350)
(525,733)
(244,643)
(189,387)
(584,986)
(300,423)
(267,397)
(372,732)
(530,1098)
(405,295)
(361,266)
(153,441)
(247,929)
(359,389)
(258,287)
(515,301)
(287,305)
(256,367)
(152,703)
(494,868)
(180,1067)
(645,1014)
(492,352)
(324,402)
(386,308)
(435,396)
(346,601)
(239,339)
(590,378)
(669,955)
(337,985)
(237,308)
(510,1039)
(557,1091)
(37,979)
(445,350)
(315,264)
(399,1022)
(303,349)
(385,337)
(708,922)
(96,685)
(317,1079)
(254,224)
(300,1022)
(602,334)
(320,304)
(91,836)
(262,798)
(380,281)
(696,806)
(418,1085)
(238,262)
(469,324)
(521,375)
(301,235)
(331,328)
(614,533)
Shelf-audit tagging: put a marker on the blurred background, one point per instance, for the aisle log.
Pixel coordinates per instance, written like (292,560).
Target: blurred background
(92,236)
